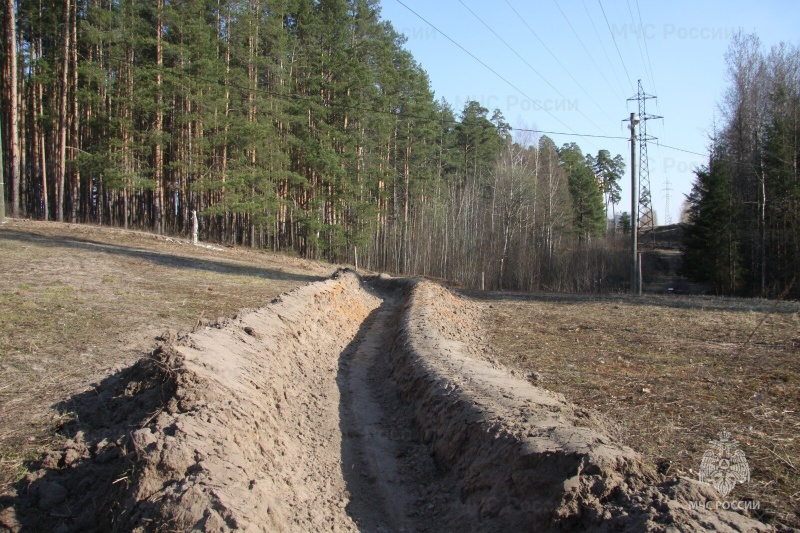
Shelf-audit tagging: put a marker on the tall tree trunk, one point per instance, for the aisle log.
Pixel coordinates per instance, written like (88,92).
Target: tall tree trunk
(224,162)
(158,154)
(127,135)
(404,238)
(75,175)
(62,116)
(39,129)
(13,104)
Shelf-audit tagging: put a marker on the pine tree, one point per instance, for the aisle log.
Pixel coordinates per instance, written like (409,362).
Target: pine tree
(781,216)
(711,250)
(299,125)
(609,171)
(585,189)
(625,222)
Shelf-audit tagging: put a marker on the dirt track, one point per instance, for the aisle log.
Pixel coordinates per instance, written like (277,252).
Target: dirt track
(344,406)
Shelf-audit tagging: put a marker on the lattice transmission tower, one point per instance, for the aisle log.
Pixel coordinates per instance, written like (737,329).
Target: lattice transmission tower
(667,189)
(645,224)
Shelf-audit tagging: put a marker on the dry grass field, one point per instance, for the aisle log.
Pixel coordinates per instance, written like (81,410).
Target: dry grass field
(78,302)
(670,373)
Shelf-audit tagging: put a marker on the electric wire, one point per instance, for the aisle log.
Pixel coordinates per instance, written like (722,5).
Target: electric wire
(647,50)
(615,43)
(573,134)
(661,123)
(649,65)
(678,149)
(582,44)
(527,63)
(608,58)
(473,56)
(559,61)
(639,39)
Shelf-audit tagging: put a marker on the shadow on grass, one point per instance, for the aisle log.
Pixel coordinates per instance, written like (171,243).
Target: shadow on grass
(682,301)
(158,258)
(83,486)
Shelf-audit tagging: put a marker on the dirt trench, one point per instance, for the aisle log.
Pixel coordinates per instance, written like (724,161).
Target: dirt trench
(345,405)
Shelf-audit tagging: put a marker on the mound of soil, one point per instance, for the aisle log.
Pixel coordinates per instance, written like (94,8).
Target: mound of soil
(233,426)
(525,458)
(343,406)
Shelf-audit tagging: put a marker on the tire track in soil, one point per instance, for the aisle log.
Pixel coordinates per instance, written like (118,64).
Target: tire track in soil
(393,482)
(368,453)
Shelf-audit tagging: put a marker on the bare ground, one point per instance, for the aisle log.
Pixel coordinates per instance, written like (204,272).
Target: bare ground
(80,302)
(339,406)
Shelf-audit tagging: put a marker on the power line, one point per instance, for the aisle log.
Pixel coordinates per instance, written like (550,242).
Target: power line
(571,134)
(526,62)
(615,43)
(582,44)
(679,149)
(473,56)
(644,167)
(646,220)
(661,124)
(610,63)
(639,39)
(558,60)
(647,49)
(650,64)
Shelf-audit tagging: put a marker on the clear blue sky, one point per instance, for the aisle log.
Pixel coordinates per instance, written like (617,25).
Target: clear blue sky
(584,88)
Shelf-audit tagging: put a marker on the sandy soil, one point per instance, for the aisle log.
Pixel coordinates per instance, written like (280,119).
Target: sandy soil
(79,303)
(345,405)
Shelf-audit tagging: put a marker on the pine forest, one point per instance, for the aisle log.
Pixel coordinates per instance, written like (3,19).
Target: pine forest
(304,126)
(743,231)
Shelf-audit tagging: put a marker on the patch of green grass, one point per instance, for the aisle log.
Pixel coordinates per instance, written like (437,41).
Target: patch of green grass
(12,464)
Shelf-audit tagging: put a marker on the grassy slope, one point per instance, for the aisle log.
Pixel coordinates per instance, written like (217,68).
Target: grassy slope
(79,301)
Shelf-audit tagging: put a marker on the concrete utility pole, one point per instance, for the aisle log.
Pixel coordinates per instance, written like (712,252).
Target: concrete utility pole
(635,288)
